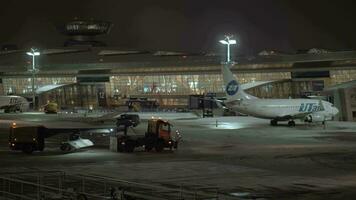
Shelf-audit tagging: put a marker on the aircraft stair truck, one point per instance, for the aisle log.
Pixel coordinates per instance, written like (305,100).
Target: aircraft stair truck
(27,138)
(158,136)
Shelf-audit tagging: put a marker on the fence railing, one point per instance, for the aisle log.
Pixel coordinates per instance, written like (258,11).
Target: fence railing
(55,185)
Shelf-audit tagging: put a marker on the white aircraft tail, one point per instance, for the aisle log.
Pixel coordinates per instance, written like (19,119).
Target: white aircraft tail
(232,87)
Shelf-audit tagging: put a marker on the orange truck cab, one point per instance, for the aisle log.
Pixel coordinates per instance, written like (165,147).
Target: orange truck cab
(158,136)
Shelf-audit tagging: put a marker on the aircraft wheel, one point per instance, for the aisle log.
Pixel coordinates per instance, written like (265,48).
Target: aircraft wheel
(274,122)
(291,123)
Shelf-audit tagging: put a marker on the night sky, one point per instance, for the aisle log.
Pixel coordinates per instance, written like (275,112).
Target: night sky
(188,25)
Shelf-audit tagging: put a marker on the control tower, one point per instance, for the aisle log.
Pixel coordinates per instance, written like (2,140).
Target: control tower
(84,32)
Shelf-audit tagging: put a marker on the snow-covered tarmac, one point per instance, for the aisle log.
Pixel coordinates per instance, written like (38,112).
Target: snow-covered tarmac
(241,155)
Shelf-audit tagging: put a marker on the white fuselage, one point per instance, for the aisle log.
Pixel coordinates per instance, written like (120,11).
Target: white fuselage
(275,109)
(280,109)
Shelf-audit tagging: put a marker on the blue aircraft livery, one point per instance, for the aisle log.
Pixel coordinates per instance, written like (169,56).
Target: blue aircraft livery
(232,88)
(309,107)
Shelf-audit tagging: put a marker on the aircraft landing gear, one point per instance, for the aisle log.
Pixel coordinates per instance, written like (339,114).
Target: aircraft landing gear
(291,123)
(274,122)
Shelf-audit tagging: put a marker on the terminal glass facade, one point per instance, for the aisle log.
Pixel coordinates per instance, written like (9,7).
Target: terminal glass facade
(173,90)
(181,84)
(342,76)
(170,90)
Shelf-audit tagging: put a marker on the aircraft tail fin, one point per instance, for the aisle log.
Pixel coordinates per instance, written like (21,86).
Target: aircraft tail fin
(232,87)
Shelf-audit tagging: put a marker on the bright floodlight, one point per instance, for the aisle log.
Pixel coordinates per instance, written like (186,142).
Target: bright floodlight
(223,42)
(227,41)
(33,54)
(232,41)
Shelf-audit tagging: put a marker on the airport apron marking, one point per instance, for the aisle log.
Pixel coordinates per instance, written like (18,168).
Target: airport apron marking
(232,88)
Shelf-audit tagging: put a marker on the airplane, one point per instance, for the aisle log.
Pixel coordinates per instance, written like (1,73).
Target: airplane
(13,104)
(309,110)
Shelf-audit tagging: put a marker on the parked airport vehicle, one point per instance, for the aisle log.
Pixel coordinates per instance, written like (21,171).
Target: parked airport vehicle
(30,136)
(13,104)
(158,136)
(27,138)
(128,120)
(51,108)
(309,110)
(142,104)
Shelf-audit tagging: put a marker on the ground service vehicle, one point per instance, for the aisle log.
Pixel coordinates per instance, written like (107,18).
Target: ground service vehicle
(27,138)
(129,120)
(51,108)
(158,136)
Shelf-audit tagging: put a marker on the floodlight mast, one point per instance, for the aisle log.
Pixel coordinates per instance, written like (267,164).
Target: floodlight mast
(33,53)
(228,41)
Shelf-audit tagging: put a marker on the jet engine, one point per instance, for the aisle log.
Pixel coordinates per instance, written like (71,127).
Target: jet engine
(315,118)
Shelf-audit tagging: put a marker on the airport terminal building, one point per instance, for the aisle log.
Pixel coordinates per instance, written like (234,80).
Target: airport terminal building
(90,75)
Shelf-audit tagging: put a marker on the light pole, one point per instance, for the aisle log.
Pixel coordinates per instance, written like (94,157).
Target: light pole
(33,53)
(228,41)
